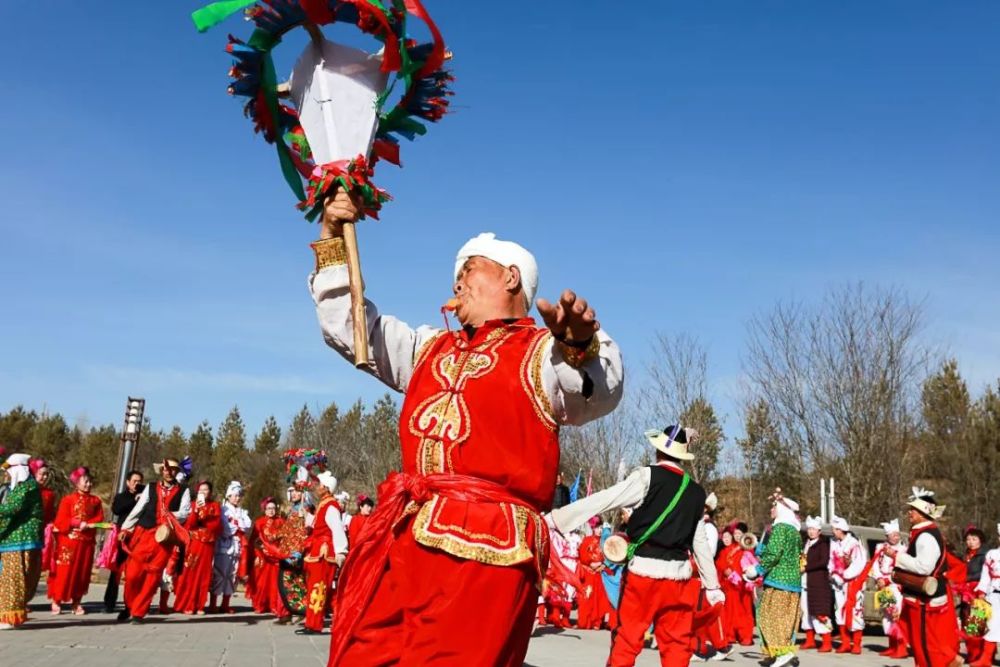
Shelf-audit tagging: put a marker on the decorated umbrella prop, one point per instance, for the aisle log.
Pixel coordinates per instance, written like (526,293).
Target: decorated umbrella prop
(339,126)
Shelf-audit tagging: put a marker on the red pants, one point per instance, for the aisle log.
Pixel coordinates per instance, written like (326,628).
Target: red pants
(738,615)
(69,580)
(319,587)
(931,631)
(665,604)
(144,570)
(191,589)
(431,608)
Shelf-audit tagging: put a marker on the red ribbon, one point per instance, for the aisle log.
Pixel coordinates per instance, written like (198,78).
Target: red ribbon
(367,560)
(436,58)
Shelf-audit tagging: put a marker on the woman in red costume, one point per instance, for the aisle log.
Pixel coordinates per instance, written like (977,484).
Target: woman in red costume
(592,603)
(74,543)
(40,471)
(737,614)
(204,523)
(267,555)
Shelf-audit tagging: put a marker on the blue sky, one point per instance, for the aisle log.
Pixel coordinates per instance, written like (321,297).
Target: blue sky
(684,165)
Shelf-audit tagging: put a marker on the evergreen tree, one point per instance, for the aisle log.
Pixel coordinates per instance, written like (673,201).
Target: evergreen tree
(770,463)
(16,427)
(200,450)
(700,415)
(229,456)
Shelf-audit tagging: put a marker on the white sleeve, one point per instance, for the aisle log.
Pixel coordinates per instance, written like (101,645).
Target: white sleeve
(245,522)
(185,509)
(627,493)
(704,558)
(985,584)
(393,344)
(928,555)
(580,395)
(859,558)
(133,516)
(336,524)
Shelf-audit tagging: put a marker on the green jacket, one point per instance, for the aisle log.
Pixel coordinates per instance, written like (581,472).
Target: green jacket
(21,518)
(779,559)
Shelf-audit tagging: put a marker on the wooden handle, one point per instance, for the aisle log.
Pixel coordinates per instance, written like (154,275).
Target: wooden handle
(358,314)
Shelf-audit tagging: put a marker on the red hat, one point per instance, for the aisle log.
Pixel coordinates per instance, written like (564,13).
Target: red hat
(34,465)
(267,501)
(75,476)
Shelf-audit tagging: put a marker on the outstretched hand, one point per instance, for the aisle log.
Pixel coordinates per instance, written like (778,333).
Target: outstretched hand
(570,320)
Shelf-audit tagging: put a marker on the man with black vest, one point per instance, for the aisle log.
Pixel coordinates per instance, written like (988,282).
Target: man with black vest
(147,556)
(929,619)
(665,533)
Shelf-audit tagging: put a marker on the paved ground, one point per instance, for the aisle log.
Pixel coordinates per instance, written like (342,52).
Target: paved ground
(249,640)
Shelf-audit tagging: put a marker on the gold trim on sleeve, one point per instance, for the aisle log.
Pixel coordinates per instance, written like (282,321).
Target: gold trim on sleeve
(577,357)
(330,252)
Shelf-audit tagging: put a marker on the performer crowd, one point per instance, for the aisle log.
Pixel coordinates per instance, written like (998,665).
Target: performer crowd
(171,543)
(223,546)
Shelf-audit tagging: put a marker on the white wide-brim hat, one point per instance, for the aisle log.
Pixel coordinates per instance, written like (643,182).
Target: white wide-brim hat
(673,441)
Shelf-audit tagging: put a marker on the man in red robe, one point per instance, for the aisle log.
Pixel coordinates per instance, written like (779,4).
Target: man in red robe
(457,542)
(326,549)
(75,539)
(164,502)
(929,620)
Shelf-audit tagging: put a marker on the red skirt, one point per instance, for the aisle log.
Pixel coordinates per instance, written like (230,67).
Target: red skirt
(266,598)
(191,591)
(74,561)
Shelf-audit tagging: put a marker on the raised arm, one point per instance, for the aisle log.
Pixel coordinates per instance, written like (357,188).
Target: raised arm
(393,345)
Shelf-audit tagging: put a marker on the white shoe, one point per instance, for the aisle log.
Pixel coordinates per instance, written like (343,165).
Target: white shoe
(6,626)
(784,660)
(721,655)
(697,658)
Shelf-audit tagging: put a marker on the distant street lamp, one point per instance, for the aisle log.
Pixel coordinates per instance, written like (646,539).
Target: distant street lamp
(134,409)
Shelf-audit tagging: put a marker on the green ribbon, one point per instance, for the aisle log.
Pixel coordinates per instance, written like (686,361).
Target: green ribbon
(659,520)
(217,12)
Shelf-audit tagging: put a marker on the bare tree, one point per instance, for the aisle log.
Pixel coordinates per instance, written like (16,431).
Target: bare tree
(603,446)
(677,391)
(841,383)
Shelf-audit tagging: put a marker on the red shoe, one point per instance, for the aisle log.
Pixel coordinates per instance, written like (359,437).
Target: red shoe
(845,642)
(888,653)
(810,641)
(902,650)
(857,642)
(827,644)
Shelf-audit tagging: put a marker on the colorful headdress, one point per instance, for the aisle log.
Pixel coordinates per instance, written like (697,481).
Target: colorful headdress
(303,465)
(82,471)
(36,464)
(267,501)
(418,70)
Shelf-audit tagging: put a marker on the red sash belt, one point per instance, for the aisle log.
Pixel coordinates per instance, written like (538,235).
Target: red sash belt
(367,560)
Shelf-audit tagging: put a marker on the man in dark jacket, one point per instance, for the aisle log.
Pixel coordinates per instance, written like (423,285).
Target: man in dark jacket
(561,497)
(817,595)
(121,506)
